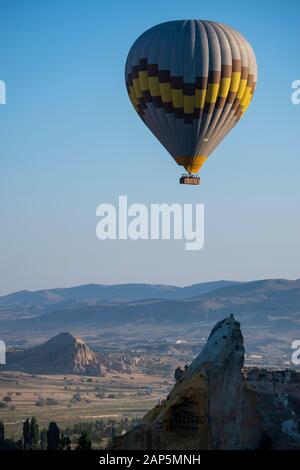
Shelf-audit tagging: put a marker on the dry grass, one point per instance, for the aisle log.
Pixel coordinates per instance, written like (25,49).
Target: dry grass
(133,395)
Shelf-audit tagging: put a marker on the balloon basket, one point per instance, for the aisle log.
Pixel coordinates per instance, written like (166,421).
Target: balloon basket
(189,179)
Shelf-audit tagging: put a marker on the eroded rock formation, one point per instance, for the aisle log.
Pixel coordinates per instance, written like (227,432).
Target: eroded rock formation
(216,404)
(62,354)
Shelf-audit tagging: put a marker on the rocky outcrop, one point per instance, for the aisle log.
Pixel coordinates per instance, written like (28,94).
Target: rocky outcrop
(123,363)
(278,405)
(216,404)
(63,354)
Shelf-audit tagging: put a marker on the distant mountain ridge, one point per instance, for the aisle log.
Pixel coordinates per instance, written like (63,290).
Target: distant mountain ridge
(268,309)
(131,291)
(255,302)
(24,303)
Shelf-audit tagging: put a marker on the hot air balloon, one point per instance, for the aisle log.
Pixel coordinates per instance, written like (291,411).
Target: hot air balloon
(190,81)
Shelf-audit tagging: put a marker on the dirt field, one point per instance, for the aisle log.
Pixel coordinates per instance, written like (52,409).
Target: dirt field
(70,399)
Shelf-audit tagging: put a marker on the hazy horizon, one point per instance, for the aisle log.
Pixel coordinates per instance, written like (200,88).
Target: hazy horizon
(149,284)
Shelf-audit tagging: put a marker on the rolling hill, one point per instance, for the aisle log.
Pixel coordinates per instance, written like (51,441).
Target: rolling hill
(29,303)
(269,311)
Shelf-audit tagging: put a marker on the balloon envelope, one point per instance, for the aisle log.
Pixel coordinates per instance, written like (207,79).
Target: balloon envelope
(190,81)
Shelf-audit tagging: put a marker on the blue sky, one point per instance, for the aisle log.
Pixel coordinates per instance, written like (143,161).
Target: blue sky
(69,140)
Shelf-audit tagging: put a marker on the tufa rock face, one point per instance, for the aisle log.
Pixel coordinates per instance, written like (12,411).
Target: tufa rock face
(215,405)
(210,406)
(278,404)
(63,354)
(232,415)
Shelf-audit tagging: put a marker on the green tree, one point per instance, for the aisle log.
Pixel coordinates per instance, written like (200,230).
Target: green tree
(53,437)
(84,441)
(65,443)
(7,399)
(113,432)
(34,434)
(26,434)
(43,439)
(10,444)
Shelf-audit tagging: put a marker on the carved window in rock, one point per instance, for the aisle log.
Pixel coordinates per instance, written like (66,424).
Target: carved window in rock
(185,420)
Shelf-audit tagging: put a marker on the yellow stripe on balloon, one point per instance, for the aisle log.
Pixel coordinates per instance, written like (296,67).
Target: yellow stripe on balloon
(200,98)
(224,87)
(154,86)
(177,98)
(212,92)
(245,106)
(144,83)
(166,92)
(241,89)
(235,81)
(137,88)
(246,95)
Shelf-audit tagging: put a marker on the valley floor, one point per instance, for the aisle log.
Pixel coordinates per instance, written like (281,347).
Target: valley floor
(72,399)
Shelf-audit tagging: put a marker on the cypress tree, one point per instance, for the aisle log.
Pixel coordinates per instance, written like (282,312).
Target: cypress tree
(26,434)
(34,433)
(53,437)
(43,439)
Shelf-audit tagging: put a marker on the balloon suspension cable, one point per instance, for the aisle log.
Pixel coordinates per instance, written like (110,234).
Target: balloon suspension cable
(189,178)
